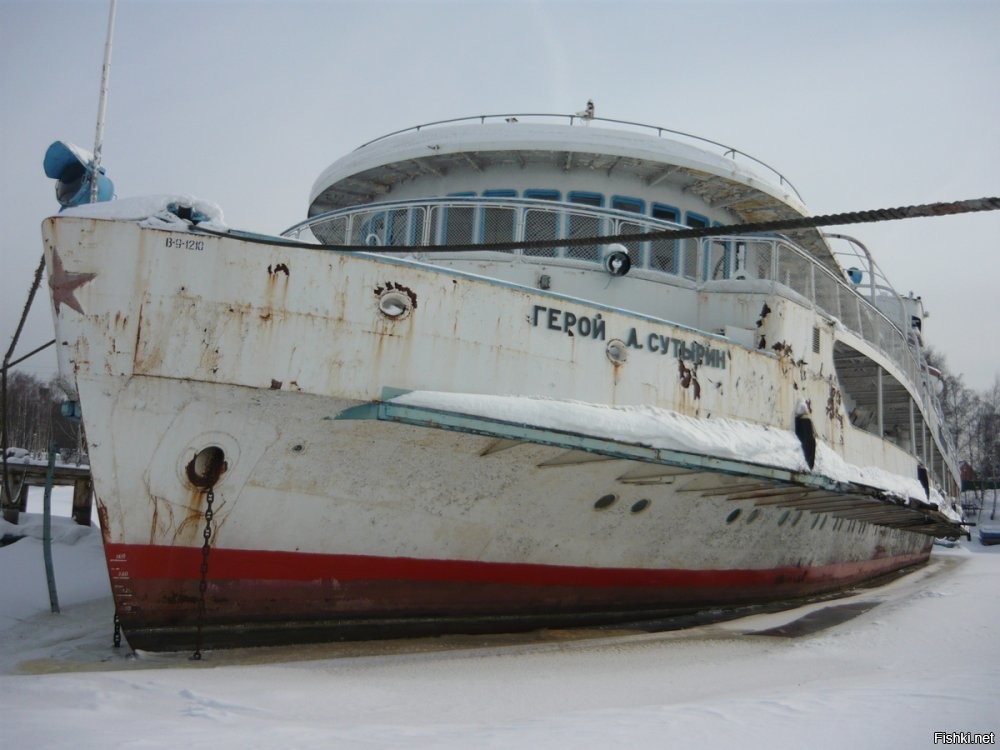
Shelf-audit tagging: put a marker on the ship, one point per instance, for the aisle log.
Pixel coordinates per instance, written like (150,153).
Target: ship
(510,372)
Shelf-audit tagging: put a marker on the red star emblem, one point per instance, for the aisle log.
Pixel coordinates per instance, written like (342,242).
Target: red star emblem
(63,283)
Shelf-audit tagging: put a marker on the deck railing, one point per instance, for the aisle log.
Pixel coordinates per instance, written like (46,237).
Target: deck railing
(873,311)
(729,152)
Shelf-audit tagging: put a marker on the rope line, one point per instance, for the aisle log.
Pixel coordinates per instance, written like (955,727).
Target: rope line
(925,210)
(7,498)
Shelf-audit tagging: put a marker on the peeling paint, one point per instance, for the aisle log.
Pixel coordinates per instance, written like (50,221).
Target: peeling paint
(102,514)
(764,312)
(279,268)
(689,378)
(399,288)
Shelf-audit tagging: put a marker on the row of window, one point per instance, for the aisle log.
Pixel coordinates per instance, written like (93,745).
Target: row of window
(473,224)
(660,211)
(497,225)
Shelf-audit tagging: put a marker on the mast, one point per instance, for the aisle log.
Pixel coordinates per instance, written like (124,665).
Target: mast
(102,104)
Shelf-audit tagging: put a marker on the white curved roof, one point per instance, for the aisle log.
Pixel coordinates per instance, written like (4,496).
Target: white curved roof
(490,143)
(747,189)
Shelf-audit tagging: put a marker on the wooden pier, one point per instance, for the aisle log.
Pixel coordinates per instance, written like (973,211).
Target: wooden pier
(26,473)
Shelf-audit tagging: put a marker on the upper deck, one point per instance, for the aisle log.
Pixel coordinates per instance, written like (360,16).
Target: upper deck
(651,171)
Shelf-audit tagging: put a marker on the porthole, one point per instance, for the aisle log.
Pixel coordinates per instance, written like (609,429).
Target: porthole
(733,516)
(394,304)
(798,517)
(753,515)
(640,505)
(815,521)
(616,351)
(605,501)
(784,517)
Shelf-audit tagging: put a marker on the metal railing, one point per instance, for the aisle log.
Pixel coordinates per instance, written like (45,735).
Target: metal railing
(728,151)
(879,319)
(468,223)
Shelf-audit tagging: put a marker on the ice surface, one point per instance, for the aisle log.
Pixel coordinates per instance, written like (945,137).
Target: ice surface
(924,658)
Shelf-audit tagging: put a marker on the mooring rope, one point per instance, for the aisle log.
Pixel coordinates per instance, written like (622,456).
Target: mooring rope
(8,498)
(925,210)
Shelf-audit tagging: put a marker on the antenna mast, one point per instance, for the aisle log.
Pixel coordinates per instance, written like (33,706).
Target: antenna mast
(102,104)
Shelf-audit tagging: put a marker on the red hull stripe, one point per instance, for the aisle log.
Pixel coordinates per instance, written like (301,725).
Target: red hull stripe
(184,563)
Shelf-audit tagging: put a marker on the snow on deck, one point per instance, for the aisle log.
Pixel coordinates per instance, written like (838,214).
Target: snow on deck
(156,211)
(660,428)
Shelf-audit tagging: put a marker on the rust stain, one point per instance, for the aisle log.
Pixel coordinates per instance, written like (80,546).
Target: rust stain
(159,526)
(399,288)
(689,378)
(833,407)
(102,514)
(138,337)
(685,374)
(764,312)
(275,385)
(191,529)
(155,522)
(783,349)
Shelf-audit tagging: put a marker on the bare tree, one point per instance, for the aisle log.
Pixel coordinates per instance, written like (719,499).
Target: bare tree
(34,416)
(987,443)
(959,405)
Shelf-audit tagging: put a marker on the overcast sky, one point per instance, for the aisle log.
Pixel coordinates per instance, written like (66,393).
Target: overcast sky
(861,104)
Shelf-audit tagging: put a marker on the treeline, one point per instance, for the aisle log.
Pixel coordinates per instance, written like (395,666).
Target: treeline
(33,412)
(973,422)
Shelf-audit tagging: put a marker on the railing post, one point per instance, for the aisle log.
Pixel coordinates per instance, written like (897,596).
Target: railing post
(83,491)
(881,421)
(47,530)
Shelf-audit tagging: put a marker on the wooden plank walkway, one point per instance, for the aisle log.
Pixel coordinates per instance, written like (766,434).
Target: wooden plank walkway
(26,473)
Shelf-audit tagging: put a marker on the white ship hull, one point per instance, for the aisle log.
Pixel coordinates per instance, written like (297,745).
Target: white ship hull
(342,509)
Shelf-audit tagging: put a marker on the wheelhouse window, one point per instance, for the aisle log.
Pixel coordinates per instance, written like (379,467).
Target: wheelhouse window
(582,225)
(499,224)
(632,205)
(457,222)
(541,223)
(665,255)
(622,226)
(712,263)
(695,221)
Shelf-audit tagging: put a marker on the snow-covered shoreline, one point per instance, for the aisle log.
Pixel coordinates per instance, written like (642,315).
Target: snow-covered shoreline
(924,658)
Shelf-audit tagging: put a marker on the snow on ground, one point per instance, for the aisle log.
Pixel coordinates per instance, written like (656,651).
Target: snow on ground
(924,659)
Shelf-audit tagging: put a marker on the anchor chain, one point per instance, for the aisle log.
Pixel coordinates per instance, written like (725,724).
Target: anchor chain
(203,583)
